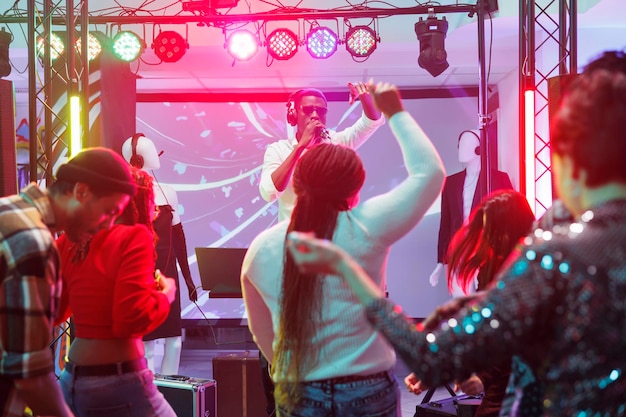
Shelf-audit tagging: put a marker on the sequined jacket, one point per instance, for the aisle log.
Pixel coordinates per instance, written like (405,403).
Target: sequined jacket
(560,305)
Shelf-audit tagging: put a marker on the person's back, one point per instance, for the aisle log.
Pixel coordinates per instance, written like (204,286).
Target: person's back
(585,329)
(312,328)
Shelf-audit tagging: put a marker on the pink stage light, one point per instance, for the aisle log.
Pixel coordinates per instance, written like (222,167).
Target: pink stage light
(282,44)
(242,45)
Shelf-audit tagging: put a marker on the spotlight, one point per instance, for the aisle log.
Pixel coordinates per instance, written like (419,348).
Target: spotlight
(321,42)
(242,45)
(282,44)
(5,65)
(169,46)
(127,46)
(57,46)
(94,46)
(431,34)
(361,41)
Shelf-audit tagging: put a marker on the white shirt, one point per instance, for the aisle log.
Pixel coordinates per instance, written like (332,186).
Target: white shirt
(347,343)
(276,153)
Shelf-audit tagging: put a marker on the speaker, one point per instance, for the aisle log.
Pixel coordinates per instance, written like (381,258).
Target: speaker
(477,149)
(8,163)
(136,160)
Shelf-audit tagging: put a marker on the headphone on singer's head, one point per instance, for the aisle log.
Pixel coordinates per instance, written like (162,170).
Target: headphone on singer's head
(136,160)
(292,113)
(477,149)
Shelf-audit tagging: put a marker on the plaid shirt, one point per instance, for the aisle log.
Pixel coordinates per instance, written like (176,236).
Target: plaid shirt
(29,289)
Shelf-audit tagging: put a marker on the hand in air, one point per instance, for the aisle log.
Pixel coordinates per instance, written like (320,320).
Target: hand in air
(386,98)
(359,91)
(313,255)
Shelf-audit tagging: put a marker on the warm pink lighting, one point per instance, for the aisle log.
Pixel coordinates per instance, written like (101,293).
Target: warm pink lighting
(529,146)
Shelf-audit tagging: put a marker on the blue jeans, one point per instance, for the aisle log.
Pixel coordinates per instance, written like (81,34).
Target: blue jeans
(376,395)
(130,394)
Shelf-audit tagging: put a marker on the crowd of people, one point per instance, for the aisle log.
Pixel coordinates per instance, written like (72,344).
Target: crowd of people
(539,331)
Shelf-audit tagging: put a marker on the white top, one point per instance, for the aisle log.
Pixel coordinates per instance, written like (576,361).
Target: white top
(347,343)
(472,172)
(353,136)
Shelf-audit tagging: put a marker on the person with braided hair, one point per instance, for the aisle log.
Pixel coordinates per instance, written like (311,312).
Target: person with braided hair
(313,330)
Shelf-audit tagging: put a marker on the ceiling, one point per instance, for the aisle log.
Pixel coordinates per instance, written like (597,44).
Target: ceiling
(207,67)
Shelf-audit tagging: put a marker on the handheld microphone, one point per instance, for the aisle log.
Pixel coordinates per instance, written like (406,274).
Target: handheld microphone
(323,135)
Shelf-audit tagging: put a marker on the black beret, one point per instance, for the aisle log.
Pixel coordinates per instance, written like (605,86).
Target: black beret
(101,169)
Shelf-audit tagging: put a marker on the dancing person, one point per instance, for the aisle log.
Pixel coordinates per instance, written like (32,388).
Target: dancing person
(306,111)
(559,302)
(90,190)
(479,249)
(326,359)
(140,152)
(114,297)
(461,194)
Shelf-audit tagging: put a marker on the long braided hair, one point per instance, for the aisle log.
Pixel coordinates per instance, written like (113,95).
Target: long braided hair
(326,180)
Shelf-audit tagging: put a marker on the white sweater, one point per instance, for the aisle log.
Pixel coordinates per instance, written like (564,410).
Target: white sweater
(347,343)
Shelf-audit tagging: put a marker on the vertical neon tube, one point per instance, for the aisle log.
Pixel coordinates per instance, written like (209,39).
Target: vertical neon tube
(75,133)
(529,147)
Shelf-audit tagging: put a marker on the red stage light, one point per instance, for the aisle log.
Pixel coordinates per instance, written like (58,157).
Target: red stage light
(282,44)
(169,46)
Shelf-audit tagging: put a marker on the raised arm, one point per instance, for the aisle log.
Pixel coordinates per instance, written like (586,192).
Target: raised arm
(391,215)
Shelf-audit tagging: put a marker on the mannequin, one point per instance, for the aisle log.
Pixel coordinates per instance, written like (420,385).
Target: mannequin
(459,196)
(140,151)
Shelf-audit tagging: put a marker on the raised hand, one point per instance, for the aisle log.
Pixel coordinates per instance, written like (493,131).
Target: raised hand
(386,98)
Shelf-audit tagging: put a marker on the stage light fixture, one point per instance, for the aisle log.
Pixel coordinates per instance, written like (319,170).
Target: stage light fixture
(242,45)
(361,41)
(94,46)
(169,46)
(57,46)
(5,65)
(321,42)
(431,34)
(127,46)
(282,44)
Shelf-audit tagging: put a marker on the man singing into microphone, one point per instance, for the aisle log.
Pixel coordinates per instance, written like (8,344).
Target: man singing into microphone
(306,110)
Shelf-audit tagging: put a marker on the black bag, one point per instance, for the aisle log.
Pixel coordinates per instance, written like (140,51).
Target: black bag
(455,406)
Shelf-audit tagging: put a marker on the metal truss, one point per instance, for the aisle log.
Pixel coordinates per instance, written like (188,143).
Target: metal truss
(541,35)
(72,72)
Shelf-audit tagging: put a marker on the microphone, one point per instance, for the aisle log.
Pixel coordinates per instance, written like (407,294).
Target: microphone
(323,135)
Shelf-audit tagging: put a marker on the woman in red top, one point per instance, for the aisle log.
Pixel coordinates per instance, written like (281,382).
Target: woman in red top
(109,290)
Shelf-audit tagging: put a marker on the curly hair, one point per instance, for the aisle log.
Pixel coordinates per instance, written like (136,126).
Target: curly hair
(326,179)
(589,125)
(495,226)
(140,208)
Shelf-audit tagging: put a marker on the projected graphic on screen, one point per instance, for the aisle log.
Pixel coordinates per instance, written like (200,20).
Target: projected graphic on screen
(212,156)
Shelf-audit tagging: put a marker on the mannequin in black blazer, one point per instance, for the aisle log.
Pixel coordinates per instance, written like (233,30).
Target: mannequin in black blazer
(453,199)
